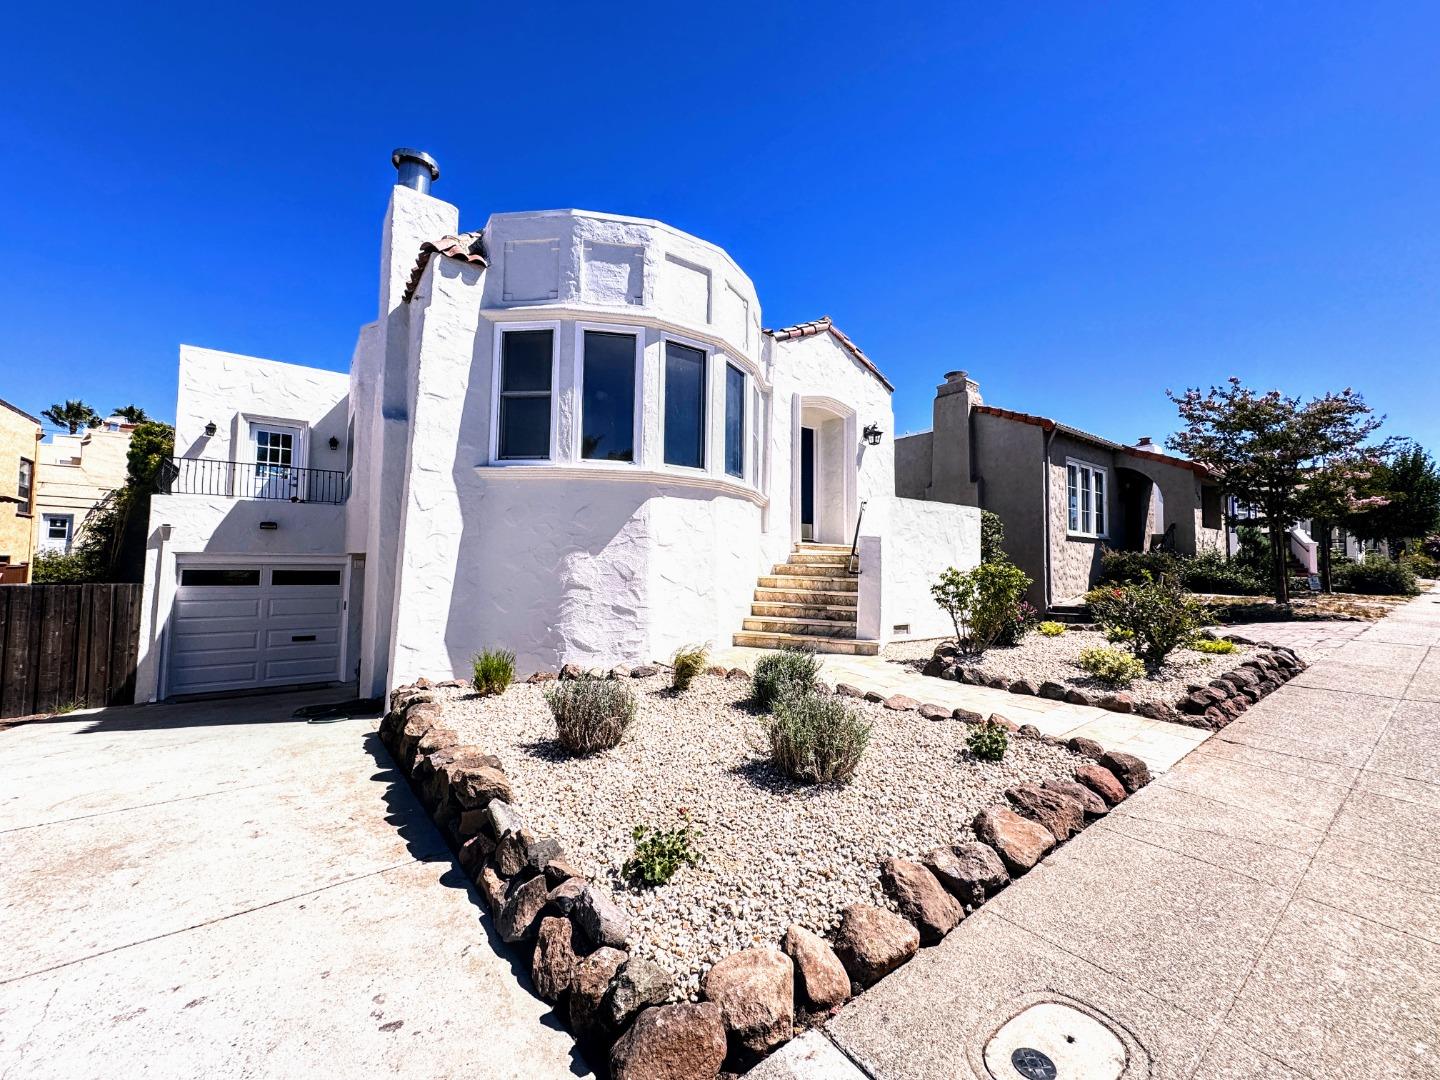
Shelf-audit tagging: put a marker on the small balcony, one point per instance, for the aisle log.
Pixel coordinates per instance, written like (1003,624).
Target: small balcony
(248,480)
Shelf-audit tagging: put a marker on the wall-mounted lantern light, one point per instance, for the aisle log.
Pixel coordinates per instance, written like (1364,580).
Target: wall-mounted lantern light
(269,526)
(872,434)
(210,429)
(165,531)
(334,443)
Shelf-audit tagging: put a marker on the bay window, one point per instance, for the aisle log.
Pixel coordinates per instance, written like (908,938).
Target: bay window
(525,385)
(607,399)
(684,406)
(734,421)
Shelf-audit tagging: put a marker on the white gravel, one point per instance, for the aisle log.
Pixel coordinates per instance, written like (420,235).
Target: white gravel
(773,852)
(1040,658)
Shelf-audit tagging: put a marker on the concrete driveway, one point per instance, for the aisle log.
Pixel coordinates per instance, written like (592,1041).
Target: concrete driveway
(216,889)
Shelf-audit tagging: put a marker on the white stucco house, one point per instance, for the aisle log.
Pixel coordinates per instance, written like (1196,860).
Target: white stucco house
(565,434)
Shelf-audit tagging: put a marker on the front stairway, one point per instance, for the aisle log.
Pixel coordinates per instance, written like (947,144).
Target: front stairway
(808,602)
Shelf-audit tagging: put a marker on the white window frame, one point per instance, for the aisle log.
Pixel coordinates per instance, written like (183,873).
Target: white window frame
(50,543)
(745,422)
(501,329)
(707,379)
(299,432)
(1084,505)
(637,420)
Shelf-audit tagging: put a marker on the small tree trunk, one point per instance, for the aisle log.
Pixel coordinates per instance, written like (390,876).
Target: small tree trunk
(1279,571)
(1323,528)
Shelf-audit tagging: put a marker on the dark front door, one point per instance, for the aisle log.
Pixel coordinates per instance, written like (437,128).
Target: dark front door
(807,483)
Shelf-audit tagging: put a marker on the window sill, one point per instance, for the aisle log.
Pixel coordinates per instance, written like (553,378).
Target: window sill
(625,472)
(1095,537)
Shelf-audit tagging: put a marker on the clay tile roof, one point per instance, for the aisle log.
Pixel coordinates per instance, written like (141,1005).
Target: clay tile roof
(1045,423)
(823,325)
(467,247)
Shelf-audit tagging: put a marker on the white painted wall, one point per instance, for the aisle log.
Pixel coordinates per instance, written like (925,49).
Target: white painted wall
(905,546)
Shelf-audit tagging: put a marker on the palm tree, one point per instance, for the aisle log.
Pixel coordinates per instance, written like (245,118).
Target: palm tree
(133,414)
(73,415)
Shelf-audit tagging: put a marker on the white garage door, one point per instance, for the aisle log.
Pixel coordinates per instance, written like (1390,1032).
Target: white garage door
(252,626)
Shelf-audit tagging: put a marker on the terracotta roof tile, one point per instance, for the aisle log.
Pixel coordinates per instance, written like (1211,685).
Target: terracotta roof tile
(467,247)
(1048,425)
(823,325)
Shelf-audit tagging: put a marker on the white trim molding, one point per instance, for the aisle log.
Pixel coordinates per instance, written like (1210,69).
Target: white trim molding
(670,475)
(1085,499)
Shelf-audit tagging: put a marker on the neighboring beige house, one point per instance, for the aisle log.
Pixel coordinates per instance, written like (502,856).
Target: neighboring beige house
(1063,494)
(19,443)
(77,472)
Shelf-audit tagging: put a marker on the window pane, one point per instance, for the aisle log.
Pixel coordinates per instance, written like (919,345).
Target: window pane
(607,412)
(1085,519)
(1099,503)
(734,421)
(1073,485)
(684,406)
(220,577)
(525,357)
(305,577)
(525,427)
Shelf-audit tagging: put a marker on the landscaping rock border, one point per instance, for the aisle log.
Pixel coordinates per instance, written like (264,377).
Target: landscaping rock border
(1212,706)
(758,998)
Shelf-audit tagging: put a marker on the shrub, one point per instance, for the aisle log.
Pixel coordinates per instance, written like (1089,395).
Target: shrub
(980,602)
(1051,629)
(988,741)
(1110,665)
(1020,623)
(1379,577)
(1125,567)
(1213,645)
(689,661)
(1211,572)
(992,537)
(814,737)
(1158,613)
(590,714)
(63,568)
(781,673)
(1420,564)
(1118,635)
(494,671)
(659,853)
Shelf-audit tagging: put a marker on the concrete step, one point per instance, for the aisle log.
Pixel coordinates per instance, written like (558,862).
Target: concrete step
(793,610)
(819,583)
(820,558)
(806,546)
(802,570)
(1070,614)
(755,640)
(812,597)
(809,627)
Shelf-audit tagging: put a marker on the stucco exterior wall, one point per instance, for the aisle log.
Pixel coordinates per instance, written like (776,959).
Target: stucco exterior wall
(917,542)
(912,465)
(77,473)
(1011,463)
(19,438)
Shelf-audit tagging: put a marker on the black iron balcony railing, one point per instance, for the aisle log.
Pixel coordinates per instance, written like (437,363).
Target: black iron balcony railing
(247,480)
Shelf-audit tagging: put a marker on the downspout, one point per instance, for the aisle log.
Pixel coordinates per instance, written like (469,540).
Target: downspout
(1045,531)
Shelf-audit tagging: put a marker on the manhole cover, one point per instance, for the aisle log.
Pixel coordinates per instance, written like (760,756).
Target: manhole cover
(1032,1064)
(1051,1041)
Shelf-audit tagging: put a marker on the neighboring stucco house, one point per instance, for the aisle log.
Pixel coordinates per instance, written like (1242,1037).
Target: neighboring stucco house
(567,435)
(19,453)
(1063,494)
(77,474)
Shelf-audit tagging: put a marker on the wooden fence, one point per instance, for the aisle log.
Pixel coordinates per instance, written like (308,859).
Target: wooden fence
(67,646)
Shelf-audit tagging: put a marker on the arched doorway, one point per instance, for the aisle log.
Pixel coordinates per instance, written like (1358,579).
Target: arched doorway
(825,449)
(1141,514)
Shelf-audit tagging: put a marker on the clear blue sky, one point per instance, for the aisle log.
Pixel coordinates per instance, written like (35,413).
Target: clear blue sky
(1081,204)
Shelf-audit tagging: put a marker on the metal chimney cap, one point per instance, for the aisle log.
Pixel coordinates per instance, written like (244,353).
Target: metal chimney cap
(404,153)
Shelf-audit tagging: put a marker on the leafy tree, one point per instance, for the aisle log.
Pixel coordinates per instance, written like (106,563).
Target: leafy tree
(132,413)
(72,415)
(1267,445)
(1404,499)
(1331,493)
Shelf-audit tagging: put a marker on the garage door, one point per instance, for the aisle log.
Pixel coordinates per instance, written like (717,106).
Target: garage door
(245,626)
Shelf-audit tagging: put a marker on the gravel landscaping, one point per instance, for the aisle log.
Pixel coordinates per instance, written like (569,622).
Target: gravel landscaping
(1039,658)
(773,852)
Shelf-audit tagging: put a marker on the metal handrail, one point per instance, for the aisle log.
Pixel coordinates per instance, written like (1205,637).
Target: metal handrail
(250,480)
(855,543)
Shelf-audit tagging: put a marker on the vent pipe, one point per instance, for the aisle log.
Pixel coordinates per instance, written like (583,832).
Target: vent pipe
(417,169)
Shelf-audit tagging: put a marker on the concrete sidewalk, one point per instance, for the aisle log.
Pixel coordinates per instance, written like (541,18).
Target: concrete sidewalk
(1268,908)
(215,889)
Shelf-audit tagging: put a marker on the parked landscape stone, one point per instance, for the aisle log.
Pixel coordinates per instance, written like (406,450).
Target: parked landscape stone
(520,912)
(846,690)
(872,942)
(562,898)
(1059,813)
(671,1042)
(638,984)
(1128,769)
(1020,842)
(1086,747)
(601,918)
(644,671)
(901,703)
(921,899)
(553,965)
(934,712)
(972,871)
(820,977)
(473,788)
(1093,805)
(1101,781)
(968,716)
(589,983)
(755,989)
(492,889)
